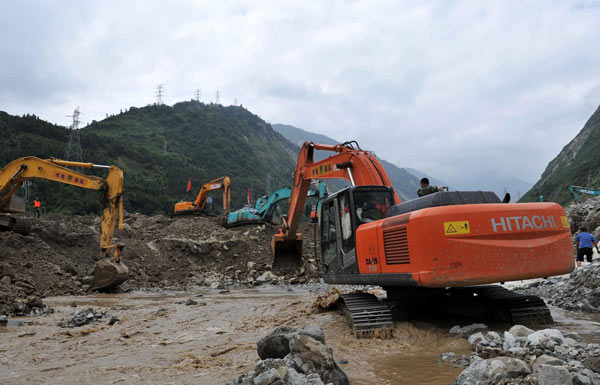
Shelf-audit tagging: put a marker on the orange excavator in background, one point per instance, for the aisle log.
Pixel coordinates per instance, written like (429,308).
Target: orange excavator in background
(199,205)
(108,272)
(425,251)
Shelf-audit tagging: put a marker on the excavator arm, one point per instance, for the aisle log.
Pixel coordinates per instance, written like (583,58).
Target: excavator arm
(348,162)
(200,203)
(111,196)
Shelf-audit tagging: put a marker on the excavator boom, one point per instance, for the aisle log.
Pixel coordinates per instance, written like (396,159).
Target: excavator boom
(108,273)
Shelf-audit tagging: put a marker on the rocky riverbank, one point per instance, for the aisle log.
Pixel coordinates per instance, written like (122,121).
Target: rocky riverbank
(521,356)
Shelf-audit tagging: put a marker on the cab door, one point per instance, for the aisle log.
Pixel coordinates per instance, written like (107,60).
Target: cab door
(329,236)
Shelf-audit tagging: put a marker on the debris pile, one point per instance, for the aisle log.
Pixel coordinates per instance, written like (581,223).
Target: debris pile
(58,256)
(579,291)
(522,356)
(294,356)
(585,213)
(81,318)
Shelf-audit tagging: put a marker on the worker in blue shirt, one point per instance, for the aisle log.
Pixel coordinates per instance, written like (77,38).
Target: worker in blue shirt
(585,241)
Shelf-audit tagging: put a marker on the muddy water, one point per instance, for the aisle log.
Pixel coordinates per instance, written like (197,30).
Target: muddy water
(159,340)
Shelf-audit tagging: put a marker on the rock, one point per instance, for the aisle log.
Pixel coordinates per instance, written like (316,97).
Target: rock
(190,302)
(455,329)
(592,363)
(509,341)
(475,338)
(584,377)
(113,320)
(277,343)
(218,285)
(14,322)
(493,338)
(470,329)
(265,277)
(312,356)
(267,377)
(553,375)
(491,370)
(33,301)
(448,356)
(520,331)
(573,335)
(250,265)
(538,337)
(6,280)
(546,360)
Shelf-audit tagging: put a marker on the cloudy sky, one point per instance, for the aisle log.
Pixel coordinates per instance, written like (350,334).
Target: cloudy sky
(454,88)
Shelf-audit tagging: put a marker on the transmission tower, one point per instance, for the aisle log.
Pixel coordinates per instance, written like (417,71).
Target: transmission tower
(235,102)
(73,151)
(160,91)
(217,98)
(198,95)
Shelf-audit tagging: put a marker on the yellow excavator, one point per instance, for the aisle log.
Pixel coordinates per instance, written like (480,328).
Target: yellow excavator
(199,205)
(109,272)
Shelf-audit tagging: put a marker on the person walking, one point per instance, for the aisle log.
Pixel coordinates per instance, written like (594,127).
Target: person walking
(585,241)
(37,205)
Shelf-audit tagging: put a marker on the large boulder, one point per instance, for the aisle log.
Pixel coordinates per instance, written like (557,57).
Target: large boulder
(311,356)
(492,370)
(520,331)
(277,343)
(553,375)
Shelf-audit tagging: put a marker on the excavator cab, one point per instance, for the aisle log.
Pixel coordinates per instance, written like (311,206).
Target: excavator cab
(341,214)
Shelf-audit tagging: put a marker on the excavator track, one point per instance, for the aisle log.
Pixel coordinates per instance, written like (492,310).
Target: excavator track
(505,305)
(369,317)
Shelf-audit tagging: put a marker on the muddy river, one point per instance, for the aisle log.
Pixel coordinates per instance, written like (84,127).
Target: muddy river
(160,340)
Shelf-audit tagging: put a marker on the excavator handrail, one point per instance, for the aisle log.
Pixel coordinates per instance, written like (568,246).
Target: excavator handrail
(16,172)
(353,164)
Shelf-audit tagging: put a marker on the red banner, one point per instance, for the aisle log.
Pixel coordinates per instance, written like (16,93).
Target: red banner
(189,186)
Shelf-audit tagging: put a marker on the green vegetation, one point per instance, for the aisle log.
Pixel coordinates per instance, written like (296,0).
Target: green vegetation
(159,148)
(578,163)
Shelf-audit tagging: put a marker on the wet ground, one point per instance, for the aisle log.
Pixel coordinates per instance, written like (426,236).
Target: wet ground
(159,340)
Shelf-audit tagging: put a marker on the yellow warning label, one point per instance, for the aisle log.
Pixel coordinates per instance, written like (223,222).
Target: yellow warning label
(456,228)
(565,222)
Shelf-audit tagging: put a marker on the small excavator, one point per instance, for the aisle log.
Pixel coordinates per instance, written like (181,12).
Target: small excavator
(199,205)
(430,252)
(265,207)
(109,272)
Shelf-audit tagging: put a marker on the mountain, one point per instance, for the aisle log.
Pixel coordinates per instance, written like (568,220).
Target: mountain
(578,163)
(419,174)
(405,184)
(159,148)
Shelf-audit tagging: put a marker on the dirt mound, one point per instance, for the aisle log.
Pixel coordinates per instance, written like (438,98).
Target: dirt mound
(585,213)
(58,256)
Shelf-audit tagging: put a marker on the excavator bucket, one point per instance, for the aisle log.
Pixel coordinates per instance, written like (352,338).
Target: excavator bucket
(108,274)
(287,253)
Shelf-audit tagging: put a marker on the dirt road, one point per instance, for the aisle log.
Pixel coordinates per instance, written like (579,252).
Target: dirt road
(161,340)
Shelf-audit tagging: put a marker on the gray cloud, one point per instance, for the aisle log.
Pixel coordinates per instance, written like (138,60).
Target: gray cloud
(452,88)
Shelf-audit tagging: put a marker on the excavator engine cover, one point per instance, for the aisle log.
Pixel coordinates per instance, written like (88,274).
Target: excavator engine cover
(287,253)
(108,274)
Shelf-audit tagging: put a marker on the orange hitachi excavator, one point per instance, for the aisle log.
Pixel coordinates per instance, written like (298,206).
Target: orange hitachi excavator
(421,248)
(199,204)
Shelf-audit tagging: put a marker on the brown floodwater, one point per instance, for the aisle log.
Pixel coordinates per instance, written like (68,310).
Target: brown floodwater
(161,341)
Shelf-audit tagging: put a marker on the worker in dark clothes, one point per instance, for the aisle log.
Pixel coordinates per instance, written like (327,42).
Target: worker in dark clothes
(426,189)
(585,241)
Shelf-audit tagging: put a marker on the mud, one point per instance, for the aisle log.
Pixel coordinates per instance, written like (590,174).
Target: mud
(59,254)
(159,340)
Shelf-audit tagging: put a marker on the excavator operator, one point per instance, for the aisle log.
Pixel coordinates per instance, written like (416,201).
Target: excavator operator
(426,189)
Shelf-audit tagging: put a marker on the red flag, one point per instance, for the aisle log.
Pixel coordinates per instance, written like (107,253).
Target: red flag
(249,202)
(189,186)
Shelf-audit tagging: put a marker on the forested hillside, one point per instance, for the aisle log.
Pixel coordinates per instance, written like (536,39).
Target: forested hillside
(578,163)
(159,148)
